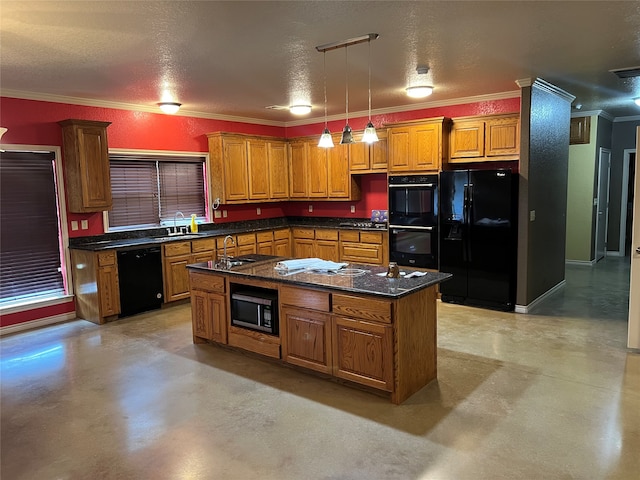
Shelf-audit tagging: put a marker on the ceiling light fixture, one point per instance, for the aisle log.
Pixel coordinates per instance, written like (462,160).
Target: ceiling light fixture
(300,109)
(325,139)
(169,107)
(347,137)
(637,100)
(370,135)
(420,91)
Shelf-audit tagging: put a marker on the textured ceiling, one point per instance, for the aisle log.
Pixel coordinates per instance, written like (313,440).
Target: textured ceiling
(236,58)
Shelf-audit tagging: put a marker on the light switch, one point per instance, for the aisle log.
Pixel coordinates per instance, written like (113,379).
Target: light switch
(216,214)
(224,213)
(84,224)
(74,225)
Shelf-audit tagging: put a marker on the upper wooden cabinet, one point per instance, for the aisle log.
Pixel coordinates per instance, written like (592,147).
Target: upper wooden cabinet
(247,168)
(418,146)
(320,173)
(485,138)
(86,165)
(369,158)
(580,130)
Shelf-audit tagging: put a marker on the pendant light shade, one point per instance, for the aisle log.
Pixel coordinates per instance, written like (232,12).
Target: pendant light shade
(325,139)
(370,135)
(347,137)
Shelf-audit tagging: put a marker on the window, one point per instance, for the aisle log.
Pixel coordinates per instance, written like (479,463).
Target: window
(148,190)
(30,234)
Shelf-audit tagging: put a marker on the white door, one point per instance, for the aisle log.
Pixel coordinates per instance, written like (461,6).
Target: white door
(633,340)
(602,202)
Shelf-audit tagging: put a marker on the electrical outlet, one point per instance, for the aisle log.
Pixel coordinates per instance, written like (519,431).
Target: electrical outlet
(84,224)
(217,214)
(532,215)
(258,211)
(224,213)
(353,209)
(74,225)
(310,208)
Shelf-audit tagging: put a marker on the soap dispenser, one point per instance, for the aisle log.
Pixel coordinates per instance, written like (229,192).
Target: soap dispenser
(194,225)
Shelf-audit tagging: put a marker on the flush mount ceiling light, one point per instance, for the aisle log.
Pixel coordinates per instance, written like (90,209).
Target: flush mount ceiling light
(421,90)
(300,109)
(169,107)
(347,136)
(325,139)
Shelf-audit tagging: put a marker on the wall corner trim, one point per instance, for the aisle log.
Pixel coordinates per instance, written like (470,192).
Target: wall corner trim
(537,301)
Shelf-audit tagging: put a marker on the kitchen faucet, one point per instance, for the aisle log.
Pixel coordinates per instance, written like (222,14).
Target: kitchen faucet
(225,259)
(175,227)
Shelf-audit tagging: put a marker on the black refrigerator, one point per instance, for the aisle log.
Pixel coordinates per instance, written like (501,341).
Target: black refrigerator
(478,237)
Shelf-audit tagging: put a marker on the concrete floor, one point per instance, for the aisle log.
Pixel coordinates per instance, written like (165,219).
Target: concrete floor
(549,395)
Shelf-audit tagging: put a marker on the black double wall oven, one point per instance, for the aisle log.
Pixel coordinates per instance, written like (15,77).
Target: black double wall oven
(413,220)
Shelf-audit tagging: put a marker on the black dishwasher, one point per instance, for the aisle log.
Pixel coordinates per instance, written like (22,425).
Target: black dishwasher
(140,276)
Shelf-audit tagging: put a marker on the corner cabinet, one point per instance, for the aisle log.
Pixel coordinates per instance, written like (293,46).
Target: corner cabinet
(485,138)
(86,165)
(418,146)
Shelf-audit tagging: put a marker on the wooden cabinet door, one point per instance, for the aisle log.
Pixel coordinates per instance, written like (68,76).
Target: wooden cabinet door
(235,169)
(399,149)
(258,170)
(502,136)
(425,147)
(298,170)
(378,153)
(278,170)
(317,179)
(579,130)
(109,288)
(467,139)
(306,338)
(282,248)
(363,352)
(176,277)
(327,250)
(359,157)
(303,248)
(339,178)
(208,256)
(200,316)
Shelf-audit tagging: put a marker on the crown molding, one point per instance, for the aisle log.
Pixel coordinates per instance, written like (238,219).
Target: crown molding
(45,97)
(633,118)
(592,113)
(550,88)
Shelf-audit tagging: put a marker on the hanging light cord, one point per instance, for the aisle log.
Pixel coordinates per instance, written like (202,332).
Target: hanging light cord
(324,60)
(346,74)
(369,42)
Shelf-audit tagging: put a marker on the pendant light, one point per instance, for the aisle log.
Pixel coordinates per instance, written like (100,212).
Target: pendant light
(325,139)
(347,137)
(370,135)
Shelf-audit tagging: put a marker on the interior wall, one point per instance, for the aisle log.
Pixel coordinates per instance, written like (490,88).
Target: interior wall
(580,194)
(623,137)
(544,199)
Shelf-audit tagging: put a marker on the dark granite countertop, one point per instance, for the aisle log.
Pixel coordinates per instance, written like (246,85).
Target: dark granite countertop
(366,281)
(158,236)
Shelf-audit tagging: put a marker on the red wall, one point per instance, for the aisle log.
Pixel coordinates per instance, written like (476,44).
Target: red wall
(32,122)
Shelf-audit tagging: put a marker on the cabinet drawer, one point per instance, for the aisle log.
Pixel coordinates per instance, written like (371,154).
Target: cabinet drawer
(106,258)
(264,237)
(361,253)
(326,235)
(350,236)
(371,237)
(299,297)
(361,307)
(206,282)
(303,233)
(176,248)
(281,234)
(203,245)
(246,239)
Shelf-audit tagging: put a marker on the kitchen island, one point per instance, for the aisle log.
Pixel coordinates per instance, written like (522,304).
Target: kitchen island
(355,325)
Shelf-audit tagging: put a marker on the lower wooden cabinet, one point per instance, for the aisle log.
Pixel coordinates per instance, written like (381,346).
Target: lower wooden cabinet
(282,243)
(208,308)
(363,352)
(96,284)
(306,338)
(108,284)
(363,247)
(175,258)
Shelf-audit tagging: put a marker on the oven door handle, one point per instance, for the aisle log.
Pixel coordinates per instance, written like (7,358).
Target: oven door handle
(407,227)
(413,185)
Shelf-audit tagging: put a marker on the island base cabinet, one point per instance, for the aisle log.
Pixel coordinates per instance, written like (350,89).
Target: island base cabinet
(208,314)
(306,339)
(363,352)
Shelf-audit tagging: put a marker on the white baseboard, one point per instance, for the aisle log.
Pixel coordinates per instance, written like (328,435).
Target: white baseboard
(527,308)
(617,253)
(41,322)
(587,263)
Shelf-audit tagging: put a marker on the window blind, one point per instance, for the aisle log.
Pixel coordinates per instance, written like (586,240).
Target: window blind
(30,264)
(149,190)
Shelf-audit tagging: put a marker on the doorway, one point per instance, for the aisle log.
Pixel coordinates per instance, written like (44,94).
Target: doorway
(602,203)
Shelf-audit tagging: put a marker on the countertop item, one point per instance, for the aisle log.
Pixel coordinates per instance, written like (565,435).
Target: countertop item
(355,278)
